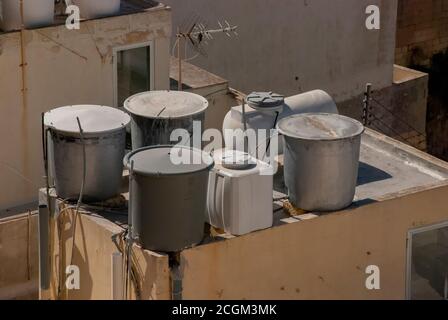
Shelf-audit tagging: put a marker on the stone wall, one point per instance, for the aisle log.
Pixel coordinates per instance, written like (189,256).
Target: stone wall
(422,31)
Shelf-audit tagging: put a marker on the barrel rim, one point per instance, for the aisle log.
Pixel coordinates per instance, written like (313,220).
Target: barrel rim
(133,112)
(127,164)
(53,127)
(360,131)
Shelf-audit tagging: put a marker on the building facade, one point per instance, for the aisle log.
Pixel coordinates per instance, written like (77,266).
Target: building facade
(103,62)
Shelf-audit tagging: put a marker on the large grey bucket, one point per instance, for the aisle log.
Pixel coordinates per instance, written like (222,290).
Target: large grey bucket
(168,200)
(156,114)
(321,160)
(104,133)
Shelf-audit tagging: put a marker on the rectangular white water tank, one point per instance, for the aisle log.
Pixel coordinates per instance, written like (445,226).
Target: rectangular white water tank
(239,195)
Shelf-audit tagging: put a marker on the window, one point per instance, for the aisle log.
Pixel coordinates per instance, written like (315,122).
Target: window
(427,265)
(133,71)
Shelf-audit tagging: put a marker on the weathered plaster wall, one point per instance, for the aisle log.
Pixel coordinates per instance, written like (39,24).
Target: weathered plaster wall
(321,258)
(399,110)
(324,43)
(63,67)
(93,253)
(19,264)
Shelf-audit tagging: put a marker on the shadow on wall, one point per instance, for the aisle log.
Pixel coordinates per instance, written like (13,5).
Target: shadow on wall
(80,259)
(437,115)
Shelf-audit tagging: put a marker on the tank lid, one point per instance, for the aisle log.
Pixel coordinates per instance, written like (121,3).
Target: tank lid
(168,160)
(234,159)
(93,118)
(320,126)
(166,104)
(265,100)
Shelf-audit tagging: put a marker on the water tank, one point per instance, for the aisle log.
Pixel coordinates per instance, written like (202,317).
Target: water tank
(90,9)
(169,196)
(264,110)
(104,140)
(156,114)
(36,13)
(239,193)
(321,160)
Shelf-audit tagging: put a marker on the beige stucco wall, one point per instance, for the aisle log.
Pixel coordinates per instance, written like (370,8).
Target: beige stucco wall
(93,255)
(63,67)
(322,258)
(322,42)
(19,264)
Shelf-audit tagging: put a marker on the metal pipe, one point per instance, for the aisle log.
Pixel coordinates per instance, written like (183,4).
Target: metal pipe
(130,238)
(84,160)
(44,263)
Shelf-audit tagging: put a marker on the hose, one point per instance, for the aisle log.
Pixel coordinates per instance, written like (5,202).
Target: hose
(81,192)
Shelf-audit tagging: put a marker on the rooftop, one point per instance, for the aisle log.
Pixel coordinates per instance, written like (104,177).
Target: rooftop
(388,170)
(127,7)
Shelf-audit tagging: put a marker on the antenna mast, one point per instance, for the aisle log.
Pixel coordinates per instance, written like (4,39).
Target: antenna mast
(197,34)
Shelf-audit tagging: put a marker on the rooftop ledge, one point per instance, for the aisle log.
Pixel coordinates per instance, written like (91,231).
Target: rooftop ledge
(128,7)
(403,74)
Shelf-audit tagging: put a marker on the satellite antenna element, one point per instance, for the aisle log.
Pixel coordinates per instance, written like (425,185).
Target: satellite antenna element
(197,34)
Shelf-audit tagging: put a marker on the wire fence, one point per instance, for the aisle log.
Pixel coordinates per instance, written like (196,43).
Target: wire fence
(379,116)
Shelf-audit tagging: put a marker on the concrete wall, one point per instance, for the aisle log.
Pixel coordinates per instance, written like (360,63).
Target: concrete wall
(215,89)
(398,111)
(321,258)
(321,43)
(314,257)
(422,30)
(19,262)
(63,67)
(93,255)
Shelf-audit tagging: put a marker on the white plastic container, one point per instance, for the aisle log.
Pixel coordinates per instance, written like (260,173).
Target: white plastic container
(239,195)
(90,9)
(264,116)
(36,13)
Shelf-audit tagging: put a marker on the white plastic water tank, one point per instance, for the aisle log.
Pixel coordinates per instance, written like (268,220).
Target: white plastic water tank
(36,13)
(239,195)
(90,9)
(263,115)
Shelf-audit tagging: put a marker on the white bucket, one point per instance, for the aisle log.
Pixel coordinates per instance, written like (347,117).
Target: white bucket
(90,9)
(36,13)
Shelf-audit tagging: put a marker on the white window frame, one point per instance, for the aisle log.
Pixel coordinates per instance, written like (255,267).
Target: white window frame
(412,233)
(152,64)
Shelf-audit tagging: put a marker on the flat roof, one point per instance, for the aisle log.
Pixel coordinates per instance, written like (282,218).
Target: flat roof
(127,7)
(193,77)
(388,169)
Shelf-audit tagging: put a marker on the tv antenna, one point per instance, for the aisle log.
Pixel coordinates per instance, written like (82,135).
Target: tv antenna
(197,34)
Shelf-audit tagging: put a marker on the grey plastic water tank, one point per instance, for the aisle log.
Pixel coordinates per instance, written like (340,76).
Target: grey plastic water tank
(156,114)
(321,160)
(104,138)
(169,198)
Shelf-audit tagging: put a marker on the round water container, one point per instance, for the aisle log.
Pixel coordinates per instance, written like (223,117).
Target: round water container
(321,160)
(36,13)
(263,109)
(169,196)
(156,114)
(90,9)
(104,132)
